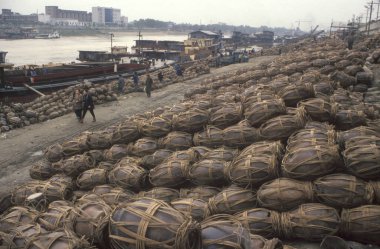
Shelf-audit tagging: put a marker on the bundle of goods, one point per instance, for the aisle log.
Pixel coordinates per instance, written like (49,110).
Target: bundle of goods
(248,143)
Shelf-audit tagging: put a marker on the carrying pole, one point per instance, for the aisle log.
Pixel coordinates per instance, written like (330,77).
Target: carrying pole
(34,90)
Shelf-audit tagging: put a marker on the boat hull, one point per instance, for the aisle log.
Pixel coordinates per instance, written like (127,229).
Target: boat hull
(69,72)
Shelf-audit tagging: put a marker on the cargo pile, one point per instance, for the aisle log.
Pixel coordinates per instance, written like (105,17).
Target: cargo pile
(282,151)
(17,115)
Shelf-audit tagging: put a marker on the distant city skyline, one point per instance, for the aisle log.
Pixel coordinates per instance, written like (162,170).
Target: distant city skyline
(273,13)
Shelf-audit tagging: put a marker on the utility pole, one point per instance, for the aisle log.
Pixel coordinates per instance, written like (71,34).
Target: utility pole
(111,35)
(366,18)
(370,16)
(378,5)
(331,26)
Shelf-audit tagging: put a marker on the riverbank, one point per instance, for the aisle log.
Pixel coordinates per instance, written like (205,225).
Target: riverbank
(21,147)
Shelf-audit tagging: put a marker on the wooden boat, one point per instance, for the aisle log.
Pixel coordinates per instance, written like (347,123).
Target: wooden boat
(49,75)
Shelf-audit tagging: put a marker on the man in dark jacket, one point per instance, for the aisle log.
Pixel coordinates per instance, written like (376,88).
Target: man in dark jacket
(88,104)
(148,85)
(135,80)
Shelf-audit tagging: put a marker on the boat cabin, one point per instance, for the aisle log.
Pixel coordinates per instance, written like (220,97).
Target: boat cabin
(94,56)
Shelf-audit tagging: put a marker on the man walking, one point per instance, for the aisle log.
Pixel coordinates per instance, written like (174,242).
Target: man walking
(148,85)
(350,40)
(120,84)
(88,104)
(135,80)
(160,76)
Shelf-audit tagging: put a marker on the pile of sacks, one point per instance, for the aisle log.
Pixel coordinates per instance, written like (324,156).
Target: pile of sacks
(282,151)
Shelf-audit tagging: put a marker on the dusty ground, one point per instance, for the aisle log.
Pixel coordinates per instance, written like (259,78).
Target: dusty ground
(21,147)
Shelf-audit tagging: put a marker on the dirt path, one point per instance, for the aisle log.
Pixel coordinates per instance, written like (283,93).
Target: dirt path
(21,147)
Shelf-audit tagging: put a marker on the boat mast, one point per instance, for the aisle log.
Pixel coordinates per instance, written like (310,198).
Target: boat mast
(140,36)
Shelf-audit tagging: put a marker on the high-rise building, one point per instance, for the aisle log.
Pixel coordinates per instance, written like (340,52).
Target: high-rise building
(103,15)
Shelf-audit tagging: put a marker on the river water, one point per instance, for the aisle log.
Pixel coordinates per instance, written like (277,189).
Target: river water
(65,49)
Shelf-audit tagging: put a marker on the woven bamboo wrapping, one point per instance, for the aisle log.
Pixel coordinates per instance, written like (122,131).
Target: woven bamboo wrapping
(125,133)
(21,236)
(201,150)
(190,121)
(224,231)
(311,221)
(130,176)
(187,155)
(343,191)
(311,162)
(90,219)
(260,242)
(263,148)
(54,153)
(347,119)
(195,208)
(283,126)
(165,194)
(59,239)
(54,217)
(323,87)
(143,147)
(363,140)
(344,136)
(200,192)
(75,165)
(176,140)
(99,140)
(41,170)
(344,79)
(251,99)
(150,161)
(306,138)
(96,155)
(260,221)
(148,223)
(116,152)
(320,126)
(362,224)
(76,146)
(223,153)
(320,62)
(226,115)
(64,179)
(102,189)
(155,127)
(253,170)
(212,137)
(117,196)
(328,136)
(375,185)
(260,112)
(56,190)
(363,160)
(284,194)
(208,172)
(232,200)
(17,216)
(318,109)
(21,192)
(91,178)
(292,94)
(170,173)
(239,136)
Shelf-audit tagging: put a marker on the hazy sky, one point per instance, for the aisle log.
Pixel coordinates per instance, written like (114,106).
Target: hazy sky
(280,13)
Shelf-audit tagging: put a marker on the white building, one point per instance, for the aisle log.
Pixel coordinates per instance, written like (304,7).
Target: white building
(103,15)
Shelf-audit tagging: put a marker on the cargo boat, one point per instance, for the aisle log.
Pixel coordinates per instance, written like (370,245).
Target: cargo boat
(16,83)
